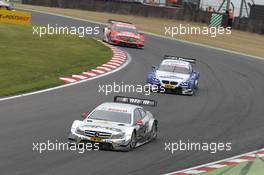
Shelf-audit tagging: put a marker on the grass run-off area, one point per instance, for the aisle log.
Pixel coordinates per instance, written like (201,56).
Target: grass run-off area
(255,167)
(29,63)
(239,41)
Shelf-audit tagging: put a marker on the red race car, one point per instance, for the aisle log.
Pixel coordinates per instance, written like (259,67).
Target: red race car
(123,33)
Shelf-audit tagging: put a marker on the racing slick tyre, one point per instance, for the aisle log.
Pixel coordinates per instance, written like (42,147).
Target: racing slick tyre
(154,132)
(133,141)
(193,92)
(132,144)
(196,85)
(195,88)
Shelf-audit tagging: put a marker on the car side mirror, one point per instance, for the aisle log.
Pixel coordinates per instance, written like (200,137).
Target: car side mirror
(140,122)
(84,115)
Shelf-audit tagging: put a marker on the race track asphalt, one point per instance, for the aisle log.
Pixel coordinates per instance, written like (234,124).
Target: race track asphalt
(228,108)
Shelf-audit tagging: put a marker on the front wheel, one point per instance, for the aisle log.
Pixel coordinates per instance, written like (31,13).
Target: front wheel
(195,88)
(133,142)
(154,132)
(196,84)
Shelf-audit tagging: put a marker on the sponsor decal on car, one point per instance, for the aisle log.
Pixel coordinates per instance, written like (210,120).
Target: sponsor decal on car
(117,110)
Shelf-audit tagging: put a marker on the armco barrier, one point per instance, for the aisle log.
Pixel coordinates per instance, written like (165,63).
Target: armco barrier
(245,24)
(133,8)
(126,8)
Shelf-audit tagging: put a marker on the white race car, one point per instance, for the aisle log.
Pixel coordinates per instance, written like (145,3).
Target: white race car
(119,125)
(4,4)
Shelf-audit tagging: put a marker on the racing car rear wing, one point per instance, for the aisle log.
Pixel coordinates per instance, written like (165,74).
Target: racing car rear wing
(190,60)
(113,21)
(136,101)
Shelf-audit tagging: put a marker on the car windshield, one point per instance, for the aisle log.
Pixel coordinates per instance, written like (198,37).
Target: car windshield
(119,117)
(125,29)
(174,68)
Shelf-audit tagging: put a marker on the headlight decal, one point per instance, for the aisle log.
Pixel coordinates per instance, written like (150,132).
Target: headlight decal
(118,136)
(154,78)
(186,84)
(79,131)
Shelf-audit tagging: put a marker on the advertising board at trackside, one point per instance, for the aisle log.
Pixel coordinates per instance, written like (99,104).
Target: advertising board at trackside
(15,17)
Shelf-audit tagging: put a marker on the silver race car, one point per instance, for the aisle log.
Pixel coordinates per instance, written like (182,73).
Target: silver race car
(5,4)
(119,125)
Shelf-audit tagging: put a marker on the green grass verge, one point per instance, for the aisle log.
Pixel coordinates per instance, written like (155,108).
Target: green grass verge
(29,63)
(247,168)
